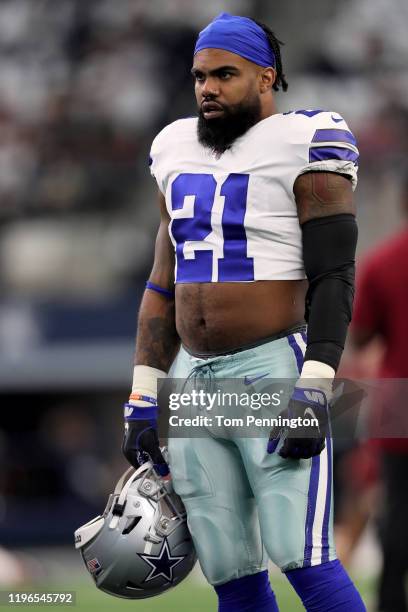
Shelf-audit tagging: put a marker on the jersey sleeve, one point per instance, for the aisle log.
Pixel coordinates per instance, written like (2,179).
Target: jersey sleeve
(332,147)
(155,155)
(160,154)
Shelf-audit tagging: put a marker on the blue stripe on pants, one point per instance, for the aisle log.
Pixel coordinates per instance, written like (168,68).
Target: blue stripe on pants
(297,350)
(311,509)
(326,519)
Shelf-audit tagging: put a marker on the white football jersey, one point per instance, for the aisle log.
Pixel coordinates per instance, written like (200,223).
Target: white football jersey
(233,217)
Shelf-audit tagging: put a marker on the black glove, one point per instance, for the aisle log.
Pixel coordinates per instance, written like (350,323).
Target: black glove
(141,441)
(309,409)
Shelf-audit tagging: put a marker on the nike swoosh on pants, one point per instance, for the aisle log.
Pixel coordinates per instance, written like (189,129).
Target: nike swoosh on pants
(248,380)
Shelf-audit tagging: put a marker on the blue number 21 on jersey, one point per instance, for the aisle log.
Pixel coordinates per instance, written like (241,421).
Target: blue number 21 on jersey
(234,265)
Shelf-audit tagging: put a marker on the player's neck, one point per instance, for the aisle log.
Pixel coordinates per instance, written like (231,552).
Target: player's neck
(268,108)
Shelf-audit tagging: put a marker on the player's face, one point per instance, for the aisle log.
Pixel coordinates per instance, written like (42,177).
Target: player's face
(223,80)
(228,97)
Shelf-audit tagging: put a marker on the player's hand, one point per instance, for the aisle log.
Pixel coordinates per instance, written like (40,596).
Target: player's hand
(141,440)
(305,440)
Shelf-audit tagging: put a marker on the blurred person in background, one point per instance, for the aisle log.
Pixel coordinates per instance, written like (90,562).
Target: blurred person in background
(279,488)
(380,313)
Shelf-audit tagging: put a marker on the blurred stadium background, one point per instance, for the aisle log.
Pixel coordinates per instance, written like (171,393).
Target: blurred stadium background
(84,87)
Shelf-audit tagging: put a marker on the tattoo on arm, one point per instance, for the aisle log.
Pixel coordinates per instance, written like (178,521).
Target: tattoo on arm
(322,194)
(157,339)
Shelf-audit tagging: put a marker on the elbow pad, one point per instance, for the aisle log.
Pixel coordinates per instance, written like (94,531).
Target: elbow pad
(329,246)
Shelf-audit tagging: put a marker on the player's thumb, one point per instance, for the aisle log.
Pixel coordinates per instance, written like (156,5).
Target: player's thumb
(159,463)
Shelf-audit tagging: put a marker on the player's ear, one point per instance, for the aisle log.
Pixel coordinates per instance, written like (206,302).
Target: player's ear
(267,79)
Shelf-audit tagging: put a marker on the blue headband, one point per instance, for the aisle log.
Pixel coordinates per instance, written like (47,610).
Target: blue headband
(238,35)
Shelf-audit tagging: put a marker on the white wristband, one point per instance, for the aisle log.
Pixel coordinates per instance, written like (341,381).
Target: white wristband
(321,373)
(145,382)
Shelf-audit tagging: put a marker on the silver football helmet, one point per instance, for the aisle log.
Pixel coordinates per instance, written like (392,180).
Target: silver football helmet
(140,546)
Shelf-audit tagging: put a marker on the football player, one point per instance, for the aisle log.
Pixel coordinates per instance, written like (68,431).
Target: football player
(254,203)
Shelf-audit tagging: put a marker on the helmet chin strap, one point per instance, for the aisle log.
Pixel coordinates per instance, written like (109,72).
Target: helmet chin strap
(122,489)
(122,480)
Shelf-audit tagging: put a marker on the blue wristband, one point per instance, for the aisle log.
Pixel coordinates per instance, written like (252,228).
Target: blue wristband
(134,413)
(166,292)
(144,398)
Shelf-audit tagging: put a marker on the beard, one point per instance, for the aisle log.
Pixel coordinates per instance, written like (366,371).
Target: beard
(220,133)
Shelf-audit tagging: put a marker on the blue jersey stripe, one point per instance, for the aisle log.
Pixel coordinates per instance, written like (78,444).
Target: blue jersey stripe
(323,153)
(333,135)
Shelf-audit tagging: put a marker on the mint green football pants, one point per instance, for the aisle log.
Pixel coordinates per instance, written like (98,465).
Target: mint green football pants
(244,505)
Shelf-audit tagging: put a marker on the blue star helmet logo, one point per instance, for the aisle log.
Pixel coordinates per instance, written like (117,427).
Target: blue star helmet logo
(162,564)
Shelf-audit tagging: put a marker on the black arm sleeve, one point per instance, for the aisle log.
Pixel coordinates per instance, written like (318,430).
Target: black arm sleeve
(329,245)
